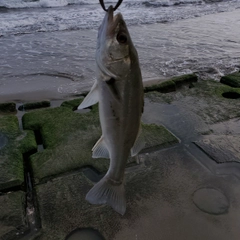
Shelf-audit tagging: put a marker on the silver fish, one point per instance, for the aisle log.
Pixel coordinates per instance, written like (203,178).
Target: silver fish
(119,91)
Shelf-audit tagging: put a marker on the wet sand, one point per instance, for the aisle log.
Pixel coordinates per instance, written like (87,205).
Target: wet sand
(60,64)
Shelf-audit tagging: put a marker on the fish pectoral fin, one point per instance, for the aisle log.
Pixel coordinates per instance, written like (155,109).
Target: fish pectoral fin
(106,192)
(139,143)
(92,97)
(100,149)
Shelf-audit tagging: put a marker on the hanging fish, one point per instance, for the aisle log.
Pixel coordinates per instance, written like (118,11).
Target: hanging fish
(119,91)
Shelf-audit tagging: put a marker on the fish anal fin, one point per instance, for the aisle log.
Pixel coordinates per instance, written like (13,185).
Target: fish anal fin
(92,97)
(106,192)
(139,143)
(100,149)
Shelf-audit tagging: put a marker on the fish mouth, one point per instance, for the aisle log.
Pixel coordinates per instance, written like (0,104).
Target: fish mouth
(110,23)
(107,32)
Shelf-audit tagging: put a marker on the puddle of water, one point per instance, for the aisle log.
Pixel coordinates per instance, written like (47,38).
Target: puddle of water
(40,148)
(183,123)
(92,174)
(3,140)
(85,234)
(231,95)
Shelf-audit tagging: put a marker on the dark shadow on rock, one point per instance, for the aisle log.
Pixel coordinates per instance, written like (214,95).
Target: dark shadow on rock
(84,234)
(34,105)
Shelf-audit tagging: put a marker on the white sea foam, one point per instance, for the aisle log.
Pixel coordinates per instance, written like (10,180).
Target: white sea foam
(57,15)
(207,45)
(13,4)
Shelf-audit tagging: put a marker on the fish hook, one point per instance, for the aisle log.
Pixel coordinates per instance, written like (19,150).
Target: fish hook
(115,8)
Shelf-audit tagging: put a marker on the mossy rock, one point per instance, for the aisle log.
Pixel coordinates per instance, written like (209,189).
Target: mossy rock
(155,96)
(232,80)
(68,138)
(212,101)
(12,215)
(164,87)
(72,104)
(215,89)
(184,79)
(172,84)
(34,105)
(7,107)
(11,153)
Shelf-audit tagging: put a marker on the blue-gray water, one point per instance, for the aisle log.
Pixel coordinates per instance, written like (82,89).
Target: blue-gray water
(48,46)
(28,16)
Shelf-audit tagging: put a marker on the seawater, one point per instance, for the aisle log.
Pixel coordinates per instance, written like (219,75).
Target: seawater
(50,44)
(28,16)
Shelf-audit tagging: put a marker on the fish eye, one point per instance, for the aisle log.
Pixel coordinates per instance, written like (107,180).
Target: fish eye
(122,38)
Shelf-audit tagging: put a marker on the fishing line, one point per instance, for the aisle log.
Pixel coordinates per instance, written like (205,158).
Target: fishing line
(115,8)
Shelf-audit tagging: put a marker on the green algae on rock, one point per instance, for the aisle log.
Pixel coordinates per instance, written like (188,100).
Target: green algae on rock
(12,212)
(172,84)
(67,194)
(7,107)
(184,79)
(232,80)
(155,96)
(72,104)
(11,155)
(164,87)
(213,89)
(68,138)
(206,99)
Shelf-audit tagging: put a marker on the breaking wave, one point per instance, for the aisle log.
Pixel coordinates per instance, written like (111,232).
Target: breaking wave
(14,4)
(29,16)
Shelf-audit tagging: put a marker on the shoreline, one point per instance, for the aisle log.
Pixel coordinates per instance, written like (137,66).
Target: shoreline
(161,85)
(148,84)
(55,95)
(36,67)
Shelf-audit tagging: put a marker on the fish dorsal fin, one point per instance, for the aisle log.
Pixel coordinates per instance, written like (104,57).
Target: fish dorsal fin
(139,143)
(92,97)
(100,149)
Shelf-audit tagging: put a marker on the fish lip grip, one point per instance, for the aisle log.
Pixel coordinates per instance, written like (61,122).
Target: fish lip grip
(115,8)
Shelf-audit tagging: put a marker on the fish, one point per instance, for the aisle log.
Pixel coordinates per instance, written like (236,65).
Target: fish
(118,90)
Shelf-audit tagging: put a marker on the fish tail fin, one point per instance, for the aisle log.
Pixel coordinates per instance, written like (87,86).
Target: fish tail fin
(110,193)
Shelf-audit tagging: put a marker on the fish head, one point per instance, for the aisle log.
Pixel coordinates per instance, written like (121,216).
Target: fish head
(115,50)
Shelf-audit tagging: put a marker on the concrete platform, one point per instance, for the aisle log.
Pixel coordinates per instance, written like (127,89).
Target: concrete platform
(185,185)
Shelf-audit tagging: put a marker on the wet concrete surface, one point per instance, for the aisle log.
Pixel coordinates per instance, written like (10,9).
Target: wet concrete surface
(176,192)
